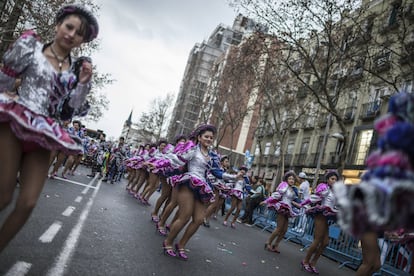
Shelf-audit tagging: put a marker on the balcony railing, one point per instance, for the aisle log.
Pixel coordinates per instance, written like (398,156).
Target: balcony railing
(370,110)
(300,159)
(288,159)
(308,122)
(348,114)
(382,62)
(313,159)
(274,160)
(322,120)
(333,158)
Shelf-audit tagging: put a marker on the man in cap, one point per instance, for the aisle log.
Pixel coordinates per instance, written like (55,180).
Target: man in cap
(304,186)
(303,195)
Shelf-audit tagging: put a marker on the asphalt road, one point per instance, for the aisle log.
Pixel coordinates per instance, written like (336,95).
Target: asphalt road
(82,226)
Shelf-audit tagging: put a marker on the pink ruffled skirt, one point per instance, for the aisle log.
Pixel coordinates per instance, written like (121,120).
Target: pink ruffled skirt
(224,192)
(237,193)
(324,210)
(281,208)
(201,189)
(37,130)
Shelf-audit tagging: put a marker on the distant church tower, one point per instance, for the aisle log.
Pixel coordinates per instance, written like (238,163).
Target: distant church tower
(127,129)
(128,122)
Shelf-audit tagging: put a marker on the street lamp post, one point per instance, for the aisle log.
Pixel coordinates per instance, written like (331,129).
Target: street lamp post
(322,150)
(181,126)
(328,123)
(326,135)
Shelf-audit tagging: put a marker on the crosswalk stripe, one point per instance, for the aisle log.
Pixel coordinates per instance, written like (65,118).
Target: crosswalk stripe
(51,232)
(68,211)
(19,269)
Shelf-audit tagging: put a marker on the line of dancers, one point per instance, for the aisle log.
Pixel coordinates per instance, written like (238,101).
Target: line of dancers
(196,180)
(192,179)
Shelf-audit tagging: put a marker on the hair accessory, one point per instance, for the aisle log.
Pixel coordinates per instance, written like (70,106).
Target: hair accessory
(330,173)
(289,173)
(80,10)
(202,128)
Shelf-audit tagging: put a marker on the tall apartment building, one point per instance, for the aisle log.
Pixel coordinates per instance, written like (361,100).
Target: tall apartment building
(234,95)
(379,62)
(186,113)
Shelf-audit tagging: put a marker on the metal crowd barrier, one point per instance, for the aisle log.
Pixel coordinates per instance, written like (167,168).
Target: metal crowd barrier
(395,258)
(265,219)
(342,247)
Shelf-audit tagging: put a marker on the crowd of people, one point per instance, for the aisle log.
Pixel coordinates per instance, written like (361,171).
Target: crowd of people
(38,138)
(103,157)
(196,180)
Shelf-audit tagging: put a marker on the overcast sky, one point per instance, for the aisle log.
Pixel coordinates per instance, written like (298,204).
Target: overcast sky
(145,46)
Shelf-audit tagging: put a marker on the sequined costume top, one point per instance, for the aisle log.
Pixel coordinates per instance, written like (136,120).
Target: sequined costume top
(281,200)
(238,189)
(34,115)
(41,86)
(198,166)
(166,162)
(323,202)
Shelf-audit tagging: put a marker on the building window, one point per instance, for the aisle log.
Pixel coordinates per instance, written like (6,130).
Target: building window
(395,10)
(362,146)
(290,147)
(382,61)
(267,149)
(305,145)
(407,86)
(377,93)
(319,146)
(257,150)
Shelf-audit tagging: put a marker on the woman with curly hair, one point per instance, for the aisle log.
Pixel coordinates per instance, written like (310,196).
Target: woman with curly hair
(221,190)
(282,201)
(323,210)
(237,196)
(195,193)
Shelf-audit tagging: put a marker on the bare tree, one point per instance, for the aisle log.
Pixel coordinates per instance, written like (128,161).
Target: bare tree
(285,108)
(312,36)
(153,124)
(234,90)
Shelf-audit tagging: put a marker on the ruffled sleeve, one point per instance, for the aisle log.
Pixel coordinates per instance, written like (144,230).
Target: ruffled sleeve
(186,151)
(16,59)
(78,96)
(283,187)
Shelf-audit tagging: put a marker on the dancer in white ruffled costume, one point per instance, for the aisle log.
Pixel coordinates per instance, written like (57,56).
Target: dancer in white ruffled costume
(54,86)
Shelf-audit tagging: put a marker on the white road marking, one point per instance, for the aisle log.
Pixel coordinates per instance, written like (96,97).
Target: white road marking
(61,262)
(86,190)
(88,186)
(68,211)
(19,269)
(51,232)
(78,199)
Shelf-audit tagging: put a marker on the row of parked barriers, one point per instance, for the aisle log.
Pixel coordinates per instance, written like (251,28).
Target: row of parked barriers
(343,248)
